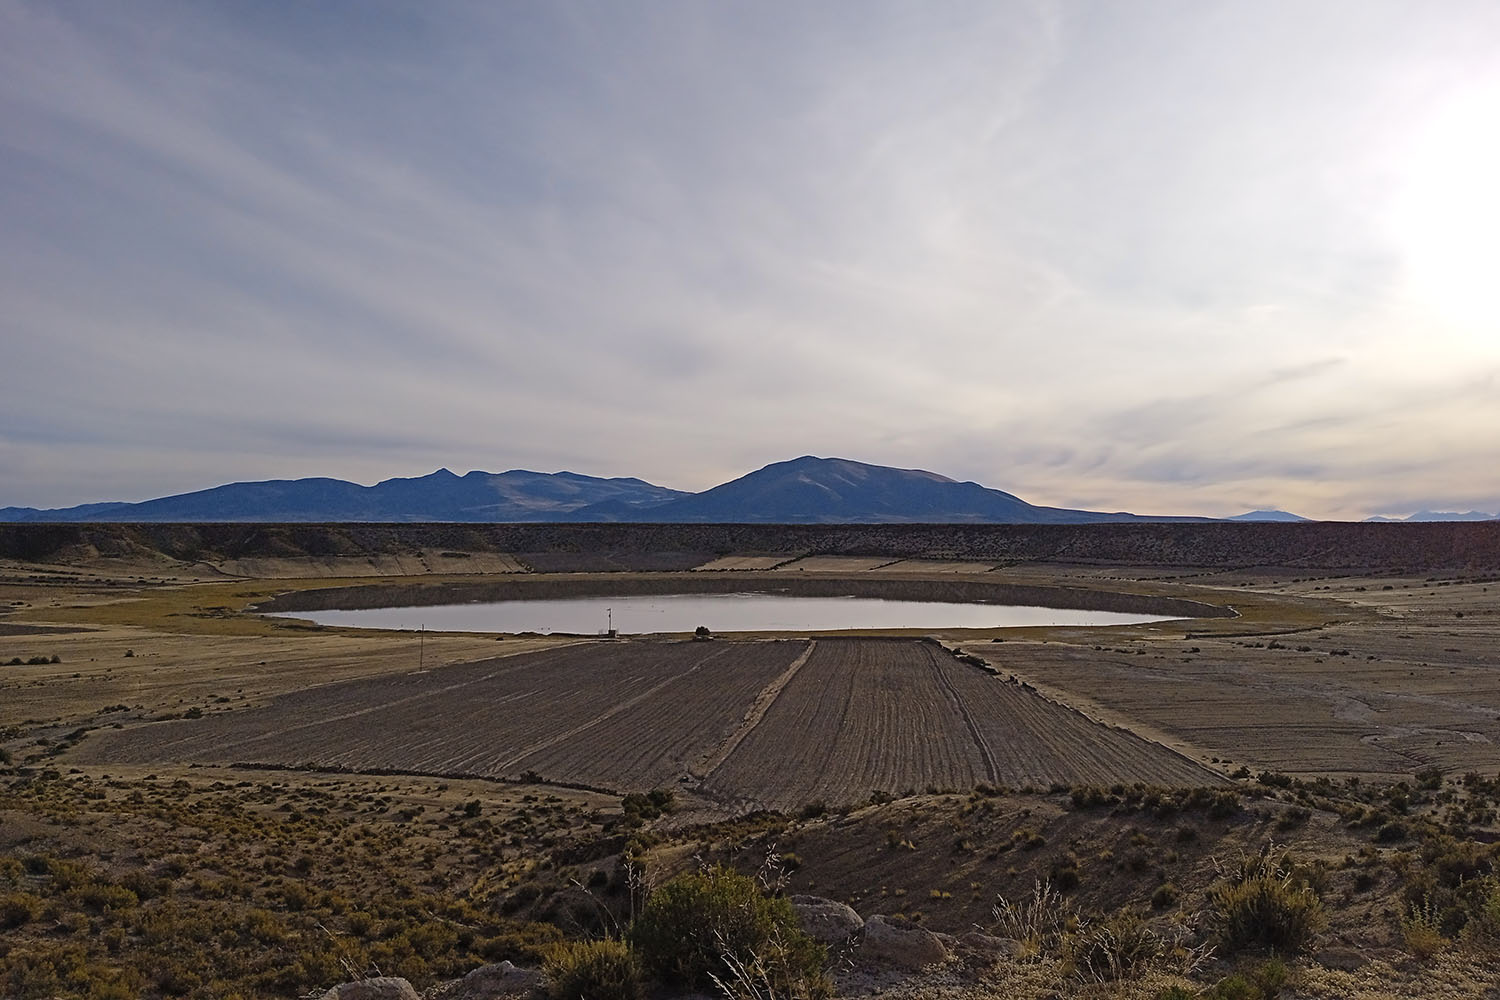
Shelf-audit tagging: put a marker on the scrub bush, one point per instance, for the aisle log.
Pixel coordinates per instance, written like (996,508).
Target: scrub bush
(712,924)
(594,970)
(1265,904)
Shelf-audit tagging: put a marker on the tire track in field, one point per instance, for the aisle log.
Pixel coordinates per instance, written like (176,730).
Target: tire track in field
(938,664)
(758,709)
(556,738)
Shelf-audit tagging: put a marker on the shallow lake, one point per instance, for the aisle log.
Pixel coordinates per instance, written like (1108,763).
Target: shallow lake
(719,612)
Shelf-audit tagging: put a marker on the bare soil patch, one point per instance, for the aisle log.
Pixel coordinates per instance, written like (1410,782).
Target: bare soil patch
(859,716)
(868,716)
(742,563)
(835,564)
(1407,678)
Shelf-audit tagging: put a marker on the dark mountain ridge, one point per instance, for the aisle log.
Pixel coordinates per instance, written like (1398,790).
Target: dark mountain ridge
(480,497)
(806,490)
(811,490)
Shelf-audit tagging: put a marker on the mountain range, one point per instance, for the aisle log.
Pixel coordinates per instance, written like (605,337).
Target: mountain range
(1436,515)
(806,490)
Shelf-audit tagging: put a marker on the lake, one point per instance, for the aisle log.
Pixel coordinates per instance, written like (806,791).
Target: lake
(750,612)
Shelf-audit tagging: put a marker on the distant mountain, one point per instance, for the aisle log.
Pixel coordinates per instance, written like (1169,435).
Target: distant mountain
(1268,515)
(811,490)
(806,490)
(442,496)
(1435,515)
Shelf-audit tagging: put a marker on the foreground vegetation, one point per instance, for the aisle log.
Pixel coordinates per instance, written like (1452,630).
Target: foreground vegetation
(200,886)
(196,879)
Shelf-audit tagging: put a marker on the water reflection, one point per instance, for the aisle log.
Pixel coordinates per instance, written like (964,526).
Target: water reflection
(718,612)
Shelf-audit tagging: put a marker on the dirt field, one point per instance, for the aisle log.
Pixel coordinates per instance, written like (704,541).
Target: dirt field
(761,724)
(1406,677)
(741,562)
(872,716)
(1366,675)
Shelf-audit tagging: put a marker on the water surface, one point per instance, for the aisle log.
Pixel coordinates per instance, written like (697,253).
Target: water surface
(640,615)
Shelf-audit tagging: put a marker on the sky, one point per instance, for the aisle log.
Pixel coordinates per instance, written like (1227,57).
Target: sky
(1169,256)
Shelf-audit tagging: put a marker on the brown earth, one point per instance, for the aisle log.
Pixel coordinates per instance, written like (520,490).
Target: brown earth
(857,717)
(1400,670)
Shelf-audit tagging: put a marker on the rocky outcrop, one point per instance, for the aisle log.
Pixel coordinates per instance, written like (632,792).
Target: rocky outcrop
(902,943)
(987,948)
(501,981)
(827,920)
(382,988)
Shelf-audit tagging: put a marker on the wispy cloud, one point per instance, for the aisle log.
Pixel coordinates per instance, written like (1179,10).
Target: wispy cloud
(1114,256)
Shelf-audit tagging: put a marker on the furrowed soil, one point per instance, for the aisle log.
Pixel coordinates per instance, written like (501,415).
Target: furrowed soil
(856,717)
(866,716)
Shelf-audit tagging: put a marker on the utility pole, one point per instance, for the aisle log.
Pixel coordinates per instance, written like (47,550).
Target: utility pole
(421,643)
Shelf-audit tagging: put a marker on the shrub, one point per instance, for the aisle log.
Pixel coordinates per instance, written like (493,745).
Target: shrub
(1421,929)
(1064,872)
(1041,924)
(639,806)
(1482,931)
(1165,895)
(1271,977)
(18,908)
(1265,904)
(710,924)
(1112,949)
(1235,987)
(594,970)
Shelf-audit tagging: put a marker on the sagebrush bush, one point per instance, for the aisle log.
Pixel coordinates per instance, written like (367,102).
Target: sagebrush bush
(1265,904)
(17,908)
(1482,932)
(1112,949)
(594,970)
(1041,922)
(1421,929)
(710,923)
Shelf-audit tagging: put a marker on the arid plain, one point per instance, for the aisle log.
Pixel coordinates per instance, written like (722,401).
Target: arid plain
(1307,671)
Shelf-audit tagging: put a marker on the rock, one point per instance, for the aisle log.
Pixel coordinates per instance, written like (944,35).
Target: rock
(1341,957)
(381,988)
(988,947)
(901,942)
(826,920)
(489,982)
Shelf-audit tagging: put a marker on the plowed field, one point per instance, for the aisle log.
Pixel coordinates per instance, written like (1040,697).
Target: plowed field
(760,723)
(868,715)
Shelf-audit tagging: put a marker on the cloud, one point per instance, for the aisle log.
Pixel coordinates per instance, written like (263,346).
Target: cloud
(1091,255)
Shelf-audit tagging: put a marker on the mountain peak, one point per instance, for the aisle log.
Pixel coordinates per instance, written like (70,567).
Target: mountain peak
(1268,515)
(815,490)
(847,466)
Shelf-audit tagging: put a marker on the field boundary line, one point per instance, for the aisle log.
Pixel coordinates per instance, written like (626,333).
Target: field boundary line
(608,714)
(711,761)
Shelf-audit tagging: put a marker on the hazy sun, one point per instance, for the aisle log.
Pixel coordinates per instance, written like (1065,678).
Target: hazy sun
(1447,218)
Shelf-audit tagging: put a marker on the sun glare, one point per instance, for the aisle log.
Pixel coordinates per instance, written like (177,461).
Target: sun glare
(1447,217)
